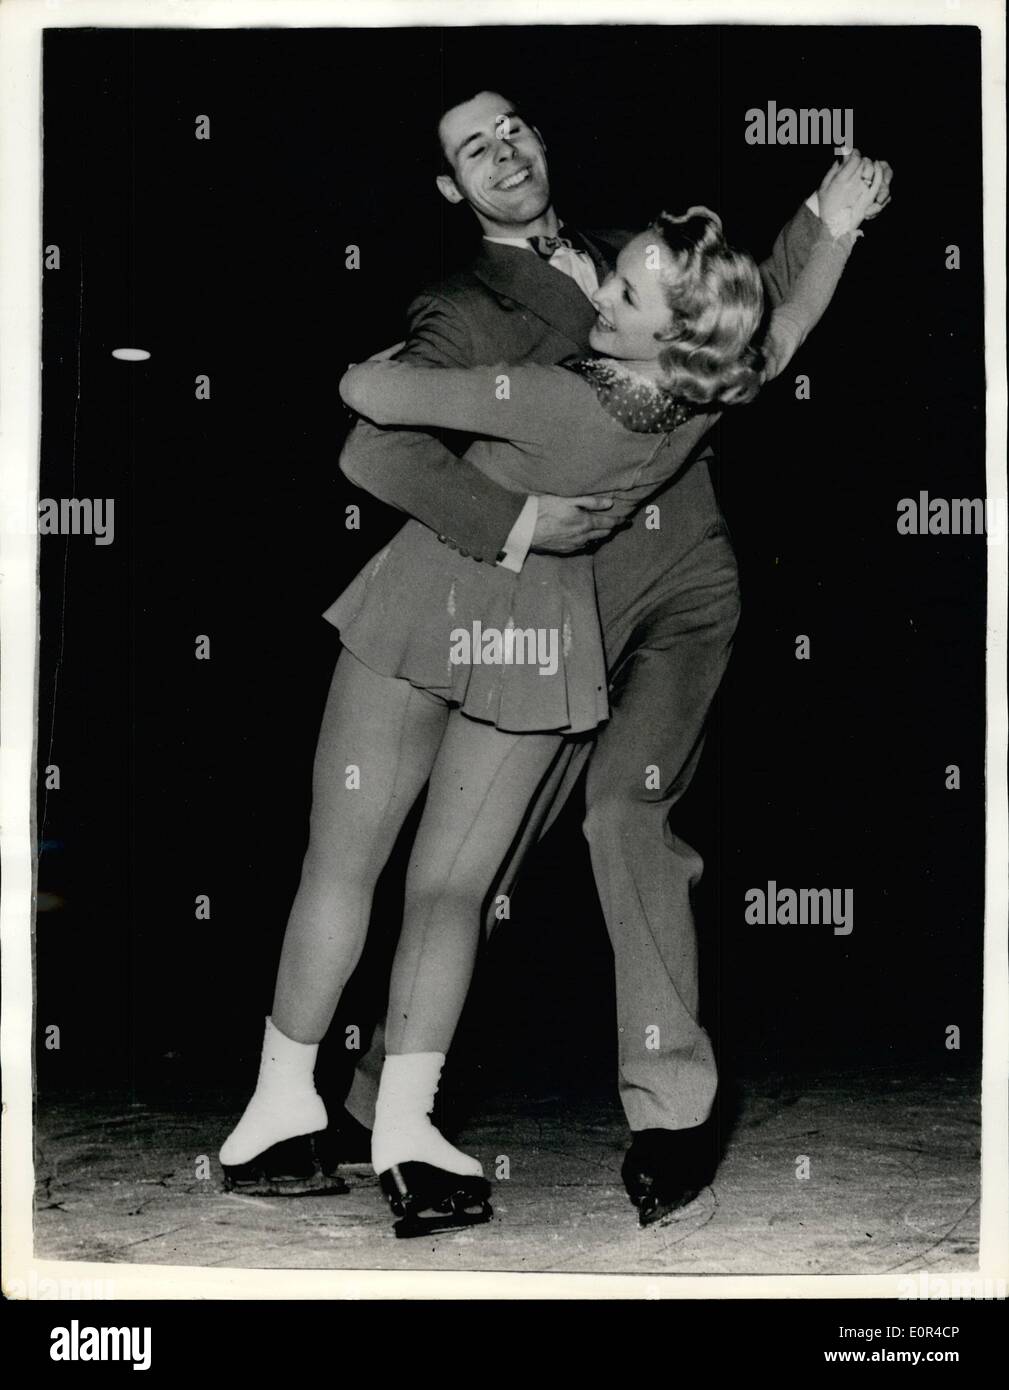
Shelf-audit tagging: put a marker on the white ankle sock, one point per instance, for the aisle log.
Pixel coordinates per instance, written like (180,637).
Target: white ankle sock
(285,1102)
(403,1133)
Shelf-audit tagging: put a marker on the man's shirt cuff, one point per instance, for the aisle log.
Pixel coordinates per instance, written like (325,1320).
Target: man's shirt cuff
(813,203)
(520,537)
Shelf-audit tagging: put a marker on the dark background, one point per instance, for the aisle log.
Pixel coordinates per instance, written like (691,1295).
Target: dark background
(226,257)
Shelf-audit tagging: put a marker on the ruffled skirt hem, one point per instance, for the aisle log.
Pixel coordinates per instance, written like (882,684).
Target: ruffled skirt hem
(521,651)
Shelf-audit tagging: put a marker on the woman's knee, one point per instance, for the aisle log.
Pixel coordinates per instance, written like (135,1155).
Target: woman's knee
(446,899)
(350,864)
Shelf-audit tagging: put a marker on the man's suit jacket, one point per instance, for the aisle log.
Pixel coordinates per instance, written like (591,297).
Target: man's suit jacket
(511,306)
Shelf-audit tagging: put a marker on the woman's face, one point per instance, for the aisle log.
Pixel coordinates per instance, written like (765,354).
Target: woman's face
(631,302)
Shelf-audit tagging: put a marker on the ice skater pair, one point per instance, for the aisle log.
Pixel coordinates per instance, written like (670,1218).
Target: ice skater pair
(675,339)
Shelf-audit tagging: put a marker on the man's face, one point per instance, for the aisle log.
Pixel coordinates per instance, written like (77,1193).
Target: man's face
(498,161)
(631,302)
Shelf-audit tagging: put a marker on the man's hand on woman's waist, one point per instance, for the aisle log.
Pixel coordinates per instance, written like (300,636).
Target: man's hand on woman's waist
(568,525)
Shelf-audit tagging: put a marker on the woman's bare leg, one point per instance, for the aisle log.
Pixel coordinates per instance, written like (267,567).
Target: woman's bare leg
(378,741)
(481,786)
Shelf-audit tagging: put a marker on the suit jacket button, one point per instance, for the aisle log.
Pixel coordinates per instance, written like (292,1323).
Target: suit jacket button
(463,552)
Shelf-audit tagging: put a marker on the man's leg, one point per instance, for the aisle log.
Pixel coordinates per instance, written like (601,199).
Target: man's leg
(674,651)
(363,1093)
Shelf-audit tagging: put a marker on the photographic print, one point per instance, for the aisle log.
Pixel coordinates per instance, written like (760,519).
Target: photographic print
(512,788)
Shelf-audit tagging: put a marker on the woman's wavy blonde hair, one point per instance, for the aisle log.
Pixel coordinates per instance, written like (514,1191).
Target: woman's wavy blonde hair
(717,303)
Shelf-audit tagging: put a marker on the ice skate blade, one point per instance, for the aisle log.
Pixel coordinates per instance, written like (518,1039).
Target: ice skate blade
(287,1169)
(653,1210)
(422,1225)
(428,1200)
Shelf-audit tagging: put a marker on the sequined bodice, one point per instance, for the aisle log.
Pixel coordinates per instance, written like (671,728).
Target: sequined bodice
(639,404)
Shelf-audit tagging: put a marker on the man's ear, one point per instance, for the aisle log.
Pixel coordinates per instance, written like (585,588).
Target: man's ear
(447,188)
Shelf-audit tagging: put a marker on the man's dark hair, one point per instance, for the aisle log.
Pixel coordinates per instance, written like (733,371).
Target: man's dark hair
(459,93)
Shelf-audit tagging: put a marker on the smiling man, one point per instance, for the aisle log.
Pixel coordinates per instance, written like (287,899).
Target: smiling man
(496,162)
(541,291)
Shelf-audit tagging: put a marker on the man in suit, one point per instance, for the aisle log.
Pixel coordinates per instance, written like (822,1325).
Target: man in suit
(668,601)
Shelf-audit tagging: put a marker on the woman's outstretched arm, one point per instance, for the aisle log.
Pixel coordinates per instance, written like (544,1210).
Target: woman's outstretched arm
(844,200)
(793,321)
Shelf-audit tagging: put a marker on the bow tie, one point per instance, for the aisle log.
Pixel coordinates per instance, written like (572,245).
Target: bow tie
(545,246)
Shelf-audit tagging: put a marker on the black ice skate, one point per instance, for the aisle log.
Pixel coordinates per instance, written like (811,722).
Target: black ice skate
(288,1169)
(665,1170)
(426,1200)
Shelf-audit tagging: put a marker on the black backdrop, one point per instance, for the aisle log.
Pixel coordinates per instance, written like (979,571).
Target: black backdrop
(226,257)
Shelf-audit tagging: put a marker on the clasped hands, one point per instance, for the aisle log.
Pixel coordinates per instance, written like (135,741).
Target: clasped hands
(854,190)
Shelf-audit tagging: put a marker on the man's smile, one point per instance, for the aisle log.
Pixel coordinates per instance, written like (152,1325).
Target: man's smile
(603,324)
(515,180)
